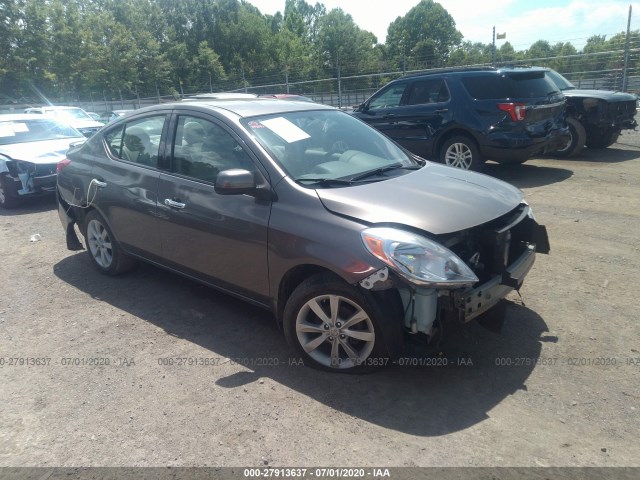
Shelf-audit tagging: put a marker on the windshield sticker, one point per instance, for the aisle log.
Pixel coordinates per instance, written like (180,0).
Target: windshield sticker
(20,128)
(284,128)
(254,124)
(6,131)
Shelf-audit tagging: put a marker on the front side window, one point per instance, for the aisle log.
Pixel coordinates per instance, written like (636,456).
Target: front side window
(137,141)
(202,149)
(388,98)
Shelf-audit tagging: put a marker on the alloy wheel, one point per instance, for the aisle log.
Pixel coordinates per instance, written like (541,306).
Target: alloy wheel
(459,155)
(335,331)
(100,244)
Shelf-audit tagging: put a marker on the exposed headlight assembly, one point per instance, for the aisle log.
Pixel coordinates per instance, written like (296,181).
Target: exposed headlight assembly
(418,259)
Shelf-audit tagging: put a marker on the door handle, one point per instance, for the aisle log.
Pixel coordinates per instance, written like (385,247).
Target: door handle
(389,115)
(98,183)
(442,110)
(173,204)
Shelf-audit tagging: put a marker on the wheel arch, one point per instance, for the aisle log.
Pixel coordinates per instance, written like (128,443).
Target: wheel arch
(298,274)
(291,279)
(454,132)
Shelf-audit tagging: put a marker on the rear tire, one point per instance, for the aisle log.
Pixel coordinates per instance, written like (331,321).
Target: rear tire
(103,248)
(461,152)
(8,196)
(338,327)
(602,139)
(576,143)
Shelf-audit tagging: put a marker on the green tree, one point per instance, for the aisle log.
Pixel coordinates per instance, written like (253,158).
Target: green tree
(424,37)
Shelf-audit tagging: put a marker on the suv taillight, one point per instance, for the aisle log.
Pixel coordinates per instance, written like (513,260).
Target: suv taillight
(517,110)
(61,164)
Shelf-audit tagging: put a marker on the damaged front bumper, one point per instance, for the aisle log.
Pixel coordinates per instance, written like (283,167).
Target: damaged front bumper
(474,302)
(29,179)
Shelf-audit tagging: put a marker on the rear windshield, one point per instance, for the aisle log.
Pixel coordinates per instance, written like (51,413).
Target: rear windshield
(513,85)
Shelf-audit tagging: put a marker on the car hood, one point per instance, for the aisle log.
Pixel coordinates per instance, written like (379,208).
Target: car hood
(436,199)
(47,151)
(601,95)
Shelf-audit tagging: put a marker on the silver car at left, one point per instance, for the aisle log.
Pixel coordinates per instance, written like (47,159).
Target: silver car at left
(30,148)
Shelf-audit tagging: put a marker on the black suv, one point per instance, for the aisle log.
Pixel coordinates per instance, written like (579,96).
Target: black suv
(595,117)
(463,116)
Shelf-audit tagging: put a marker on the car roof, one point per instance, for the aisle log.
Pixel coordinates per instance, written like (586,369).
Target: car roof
(221,96)
(245,107)
(461,71)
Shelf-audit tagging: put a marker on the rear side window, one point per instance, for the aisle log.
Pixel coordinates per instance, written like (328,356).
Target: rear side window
(428,91)
(137,141)
(515,85)
(486,87)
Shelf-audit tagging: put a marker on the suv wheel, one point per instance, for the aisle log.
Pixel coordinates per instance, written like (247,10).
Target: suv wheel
(577,139)
(8,195)
(461,152)
(338,327)
(103,249)
(602,139)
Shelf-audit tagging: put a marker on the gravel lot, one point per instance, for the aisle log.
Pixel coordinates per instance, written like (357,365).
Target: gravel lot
(558,387)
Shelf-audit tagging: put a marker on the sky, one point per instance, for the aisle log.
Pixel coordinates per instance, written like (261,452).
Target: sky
(524,21)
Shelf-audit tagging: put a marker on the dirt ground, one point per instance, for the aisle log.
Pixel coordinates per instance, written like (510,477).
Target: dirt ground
(98,371)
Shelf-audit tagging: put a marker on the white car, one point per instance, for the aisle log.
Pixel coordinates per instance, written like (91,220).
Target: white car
(74,116)
(30,148)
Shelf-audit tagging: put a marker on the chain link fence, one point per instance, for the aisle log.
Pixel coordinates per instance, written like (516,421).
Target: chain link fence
(607,70)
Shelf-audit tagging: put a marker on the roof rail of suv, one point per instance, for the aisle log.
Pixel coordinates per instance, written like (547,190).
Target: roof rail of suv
(435,71)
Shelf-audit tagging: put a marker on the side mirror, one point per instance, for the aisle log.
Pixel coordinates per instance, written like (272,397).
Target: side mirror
(235,181)
(360,108)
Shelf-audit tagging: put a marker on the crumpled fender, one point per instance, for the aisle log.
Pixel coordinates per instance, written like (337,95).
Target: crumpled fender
(3,163)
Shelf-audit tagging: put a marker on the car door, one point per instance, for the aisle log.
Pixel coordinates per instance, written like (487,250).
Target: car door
(423,115)
(127,183)
(381,110)
(221,239)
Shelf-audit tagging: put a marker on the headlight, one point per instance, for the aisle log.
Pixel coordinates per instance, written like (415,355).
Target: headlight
(531,215)
(418,259)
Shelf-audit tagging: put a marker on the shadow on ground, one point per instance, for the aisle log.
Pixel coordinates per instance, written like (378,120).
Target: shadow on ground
(613,154)
(419,400)
(528,175)
(31,205)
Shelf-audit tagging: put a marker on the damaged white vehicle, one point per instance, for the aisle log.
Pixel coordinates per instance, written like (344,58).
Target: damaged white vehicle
(30,148)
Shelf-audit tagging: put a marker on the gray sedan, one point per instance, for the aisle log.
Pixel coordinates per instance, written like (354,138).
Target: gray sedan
(351,241)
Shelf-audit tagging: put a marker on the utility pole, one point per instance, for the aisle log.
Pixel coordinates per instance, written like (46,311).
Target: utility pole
(626,53)
(244,80)
(286,77)
(404,57)
(339,81)
(493,48)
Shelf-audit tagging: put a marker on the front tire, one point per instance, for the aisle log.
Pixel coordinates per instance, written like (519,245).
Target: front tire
(461,152)
(8,195)
(103,248)
(337,327)
(577,140)
(602,139)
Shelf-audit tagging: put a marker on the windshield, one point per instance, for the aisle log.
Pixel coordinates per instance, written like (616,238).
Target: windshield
(73,113)
(24,131)
(316,147)
(561,82)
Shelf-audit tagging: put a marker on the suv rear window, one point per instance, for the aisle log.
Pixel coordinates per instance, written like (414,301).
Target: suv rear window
(512,85)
